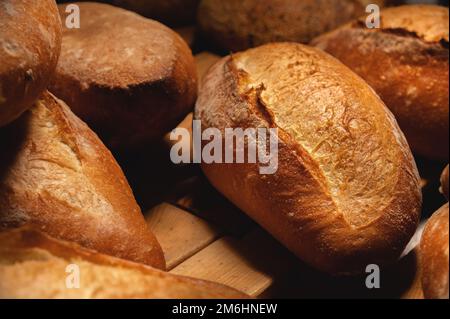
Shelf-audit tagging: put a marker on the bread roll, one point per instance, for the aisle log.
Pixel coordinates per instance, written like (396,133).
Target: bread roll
(347,192)
(434,256)
(406,61)
(33,265)
(237,25)
(30,43)
(129,78)
(444,182)
(55,174)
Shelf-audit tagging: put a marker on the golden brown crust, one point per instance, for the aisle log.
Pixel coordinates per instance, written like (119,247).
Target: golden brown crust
(33,265)
(30,44)
(57,175)
(444,182)
(236,25)
(347,191)
(406,61)
(434,256)
(130,84)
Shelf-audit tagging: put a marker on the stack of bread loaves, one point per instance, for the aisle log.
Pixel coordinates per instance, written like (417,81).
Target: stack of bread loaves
(346,191)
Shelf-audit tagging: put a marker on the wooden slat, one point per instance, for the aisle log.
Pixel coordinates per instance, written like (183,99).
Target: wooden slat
(251,264)
(180,233)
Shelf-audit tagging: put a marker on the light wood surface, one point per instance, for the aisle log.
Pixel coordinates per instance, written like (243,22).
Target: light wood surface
(180,233)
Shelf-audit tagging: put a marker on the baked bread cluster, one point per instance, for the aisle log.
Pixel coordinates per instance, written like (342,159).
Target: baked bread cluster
(354,109)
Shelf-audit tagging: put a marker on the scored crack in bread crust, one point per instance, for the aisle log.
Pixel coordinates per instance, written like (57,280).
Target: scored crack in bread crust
(434,256)
(406,61)
(129,78)
(30,44)
(237,25)
(57,175)
(347,191)
(33,265)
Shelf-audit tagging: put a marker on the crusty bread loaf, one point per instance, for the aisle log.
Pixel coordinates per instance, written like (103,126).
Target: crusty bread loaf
(57,175)
(444,182)
(30,43)
(237,25)
(33,265)
(347,191)
(129,78)
(406,61)
(434,256)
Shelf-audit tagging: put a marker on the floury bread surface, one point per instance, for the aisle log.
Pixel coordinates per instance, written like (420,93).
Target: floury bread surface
(406,61)
(347,191)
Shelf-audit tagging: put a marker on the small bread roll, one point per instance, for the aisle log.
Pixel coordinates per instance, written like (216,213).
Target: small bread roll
(129,78)
(30,43)
(235,25)
(33,265)
(55,174)
(434,256)
(444,182)
(406,61)
(346,191)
